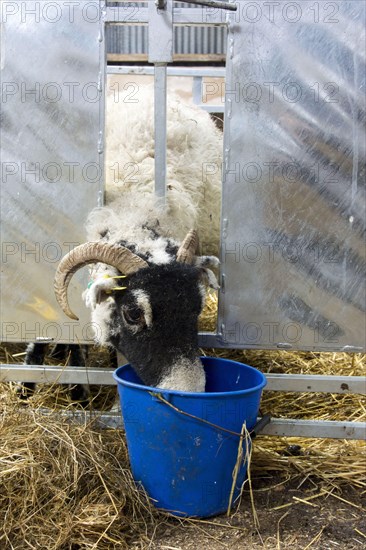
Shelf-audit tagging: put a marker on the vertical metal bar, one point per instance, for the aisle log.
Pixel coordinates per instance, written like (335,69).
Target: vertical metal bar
(101,89)
(160,53)
(160,128)
(197,90)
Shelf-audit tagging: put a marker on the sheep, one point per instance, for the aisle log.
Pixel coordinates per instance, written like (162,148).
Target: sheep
(194,159)
(148,282)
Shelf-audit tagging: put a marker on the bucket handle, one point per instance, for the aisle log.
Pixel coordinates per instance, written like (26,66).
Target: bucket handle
(260,424)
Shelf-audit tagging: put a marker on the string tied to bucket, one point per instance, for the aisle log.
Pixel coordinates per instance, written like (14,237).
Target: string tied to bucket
(262,422)
(245,436)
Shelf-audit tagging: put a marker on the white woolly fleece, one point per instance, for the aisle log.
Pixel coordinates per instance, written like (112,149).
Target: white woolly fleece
(194,160)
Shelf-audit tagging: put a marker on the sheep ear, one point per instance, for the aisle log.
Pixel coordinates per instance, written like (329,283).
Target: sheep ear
(98,291)
(208,278)
(210,262)
(206,264)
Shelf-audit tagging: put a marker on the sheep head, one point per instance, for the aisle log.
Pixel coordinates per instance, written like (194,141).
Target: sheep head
(153,321)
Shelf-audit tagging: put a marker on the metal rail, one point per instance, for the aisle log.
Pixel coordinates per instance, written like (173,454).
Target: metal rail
(283,427)
(286,427)
(201,72)
(181,16)
(275,382)
(211,4)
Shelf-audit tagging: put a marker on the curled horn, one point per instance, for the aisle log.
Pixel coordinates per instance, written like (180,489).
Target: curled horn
(188,248)
(119,257)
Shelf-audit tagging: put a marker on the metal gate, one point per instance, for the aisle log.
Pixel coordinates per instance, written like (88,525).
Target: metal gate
(292,256)
(52,67)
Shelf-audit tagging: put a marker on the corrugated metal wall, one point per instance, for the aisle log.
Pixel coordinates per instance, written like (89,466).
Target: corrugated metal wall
(125,39)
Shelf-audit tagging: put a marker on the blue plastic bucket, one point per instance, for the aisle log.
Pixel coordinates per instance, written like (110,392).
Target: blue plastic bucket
(184,464)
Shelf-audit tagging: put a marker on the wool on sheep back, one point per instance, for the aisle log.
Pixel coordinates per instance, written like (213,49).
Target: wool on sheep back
(194,160)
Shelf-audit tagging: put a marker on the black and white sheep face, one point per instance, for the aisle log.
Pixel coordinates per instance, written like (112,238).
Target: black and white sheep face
(146,310)
(153,322)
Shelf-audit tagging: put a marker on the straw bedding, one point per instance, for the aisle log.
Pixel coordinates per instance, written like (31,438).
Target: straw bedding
(68,486)
(64,485)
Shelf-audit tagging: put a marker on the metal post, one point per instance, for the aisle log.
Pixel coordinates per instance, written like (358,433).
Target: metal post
(160,53)
(160,91)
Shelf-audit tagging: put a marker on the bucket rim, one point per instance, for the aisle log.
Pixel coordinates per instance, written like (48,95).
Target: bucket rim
(206,395)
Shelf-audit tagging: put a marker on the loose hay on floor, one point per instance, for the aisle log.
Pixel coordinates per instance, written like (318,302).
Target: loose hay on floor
(64,485)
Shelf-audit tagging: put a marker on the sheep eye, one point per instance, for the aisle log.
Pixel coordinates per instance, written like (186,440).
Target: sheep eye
(133,315)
